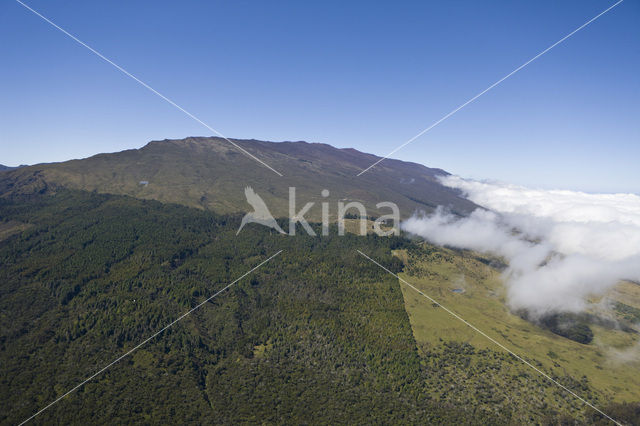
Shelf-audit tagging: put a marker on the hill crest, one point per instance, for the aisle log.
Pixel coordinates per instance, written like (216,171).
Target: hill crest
(210,173)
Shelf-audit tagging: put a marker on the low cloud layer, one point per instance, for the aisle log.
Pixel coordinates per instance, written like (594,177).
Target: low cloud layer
(561,246)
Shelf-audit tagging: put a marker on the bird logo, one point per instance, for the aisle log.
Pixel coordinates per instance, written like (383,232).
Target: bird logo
(261,213)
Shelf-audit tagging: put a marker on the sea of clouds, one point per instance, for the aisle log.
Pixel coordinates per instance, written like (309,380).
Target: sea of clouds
(561,246)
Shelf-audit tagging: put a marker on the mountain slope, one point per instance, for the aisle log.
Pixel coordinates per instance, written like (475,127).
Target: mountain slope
(210,173)
(315,336)
(469,285)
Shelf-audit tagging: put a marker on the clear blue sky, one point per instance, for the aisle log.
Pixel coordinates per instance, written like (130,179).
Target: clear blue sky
(367,75)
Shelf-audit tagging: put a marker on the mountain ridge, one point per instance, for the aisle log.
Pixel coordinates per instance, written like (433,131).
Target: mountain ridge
(210,173)
(4,168)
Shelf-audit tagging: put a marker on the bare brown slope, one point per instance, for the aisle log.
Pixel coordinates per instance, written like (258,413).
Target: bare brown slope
(211,173)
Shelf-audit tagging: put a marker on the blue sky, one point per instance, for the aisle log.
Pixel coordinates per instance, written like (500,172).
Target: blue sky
(368,75)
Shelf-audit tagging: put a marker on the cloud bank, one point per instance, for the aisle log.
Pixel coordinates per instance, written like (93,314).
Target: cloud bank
(561,246)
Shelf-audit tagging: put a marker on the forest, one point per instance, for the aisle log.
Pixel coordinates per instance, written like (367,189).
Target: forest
(317,335)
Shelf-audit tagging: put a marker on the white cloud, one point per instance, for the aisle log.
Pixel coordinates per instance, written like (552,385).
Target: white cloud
(568,245)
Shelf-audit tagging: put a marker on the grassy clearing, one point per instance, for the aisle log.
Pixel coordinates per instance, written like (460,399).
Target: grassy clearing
(607,362)
(11,227)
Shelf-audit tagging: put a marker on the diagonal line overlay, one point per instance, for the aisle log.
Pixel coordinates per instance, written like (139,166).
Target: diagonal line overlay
(458,317)
(490,87)
(142,83)
(139,345)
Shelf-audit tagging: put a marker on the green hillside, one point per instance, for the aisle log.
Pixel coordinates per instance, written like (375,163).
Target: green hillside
(469,285)
(315,336)
(210,173)
(319,335)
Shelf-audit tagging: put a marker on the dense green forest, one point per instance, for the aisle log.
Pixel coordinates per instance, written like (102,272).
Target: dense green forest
(317,335)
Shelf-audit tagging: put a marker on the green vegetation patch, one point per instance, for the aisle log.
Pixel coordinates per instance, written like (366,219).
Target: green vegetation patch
(468,368)
(318,335)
